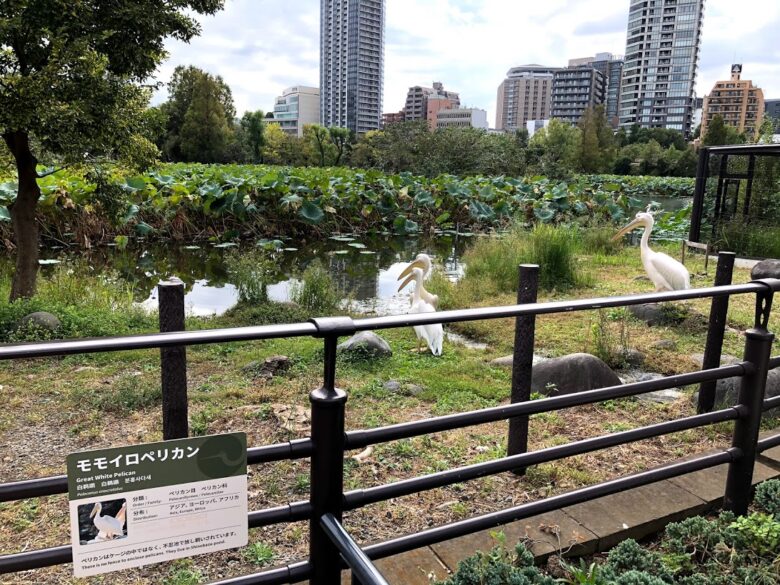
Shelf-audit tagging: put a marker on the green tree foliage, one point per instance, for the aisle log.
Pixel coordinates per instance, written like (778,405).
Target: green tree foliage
(317,139)
(341,139)
(206,131)
(213,111)
(253,125)
(597,150)
(555,150)
(70,81)
(282,148)
(720,133)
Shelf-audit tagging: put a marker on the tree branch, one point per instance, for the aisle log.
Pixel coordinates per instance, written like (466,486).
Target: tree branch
(46,174)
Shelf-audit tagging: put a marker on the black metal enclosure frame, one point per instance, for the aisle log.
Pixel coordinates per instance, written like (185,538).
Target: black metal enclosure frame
(727,193)
(332,549)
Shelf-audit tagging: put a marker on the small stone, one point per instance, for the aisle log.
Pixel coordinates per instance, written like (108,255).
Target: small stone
(7,459)
(634,357)
(503,362)
(40,320)
(655,314)
(413,389)
(268,368)
(725,359)
(769,268)
(392,385)
(366,344)
(666,344)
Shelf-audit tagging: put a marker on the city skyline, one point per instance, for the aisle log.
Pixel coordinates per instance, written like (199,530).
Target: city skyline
(261,47)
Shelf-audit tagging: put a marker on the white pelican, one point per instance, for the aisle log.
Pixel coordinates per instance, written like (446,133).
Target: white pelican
(108,526)
(423,262)
(433,335)
(666,273)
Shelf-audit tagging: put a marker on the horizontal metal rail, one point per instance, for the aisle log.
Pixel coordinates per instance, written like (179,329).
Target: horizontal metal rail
(46,557)
(774,363)
(464,527)
(771,403)
(768,443)
(58,484)
(356,559)
(343,326)
(359,498)
(293,573)
(362,438)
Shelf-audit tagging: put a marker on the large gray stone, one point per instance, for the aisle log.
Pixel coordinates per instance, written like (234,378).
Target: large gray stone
(656,314)
(766,269)
(40,320)
(366,344)
(727,391)
(572,373)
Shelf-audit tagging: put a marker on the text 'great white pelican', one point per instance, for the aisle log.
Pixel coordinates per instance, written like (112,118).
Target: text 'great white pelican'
(433,334)
(666,273)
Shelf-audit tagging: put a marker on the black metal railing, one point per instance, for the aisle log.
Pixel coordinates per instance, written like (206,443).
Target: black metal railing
(332,549)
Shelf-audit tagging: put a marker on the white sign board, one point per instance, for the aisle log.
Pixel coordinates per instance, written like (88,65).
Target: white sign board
(143,504)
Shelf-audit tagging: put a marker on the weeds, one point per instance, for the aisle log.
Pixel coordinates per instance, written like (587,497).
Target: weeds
(251,273)
(259,553)
(316,293)
(610,346)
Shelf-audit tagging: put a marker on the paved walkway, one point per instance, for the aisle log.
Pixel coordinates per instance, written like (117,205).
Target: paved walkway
(585,528)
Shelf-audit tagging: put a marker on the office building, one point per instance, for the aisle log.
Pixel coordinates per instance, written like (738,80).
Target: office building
(296,107)
(661,63)
(612,68)
(737,101)
(462,118)
(773,111)
(533,126)
(525,94)
(393,118)
(574,90)
(352,63)
(422,103)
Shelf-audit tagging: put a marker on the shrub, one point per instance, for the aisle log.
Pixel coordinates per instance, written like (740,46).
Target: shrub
(599,240)
(499,567)
(494,261)
(768,497)
(316,293)
(251,273)
(610,347)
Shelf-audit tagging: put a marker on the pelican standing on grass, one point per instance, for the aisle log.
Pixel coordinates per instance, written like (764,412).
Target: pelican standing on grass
(433,335)
(108,526)
(666,273)
(422,261)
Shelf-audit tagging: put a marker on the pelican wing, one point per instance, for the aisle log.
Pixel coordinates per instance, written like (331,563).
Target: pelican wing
(433,334)
(674,274)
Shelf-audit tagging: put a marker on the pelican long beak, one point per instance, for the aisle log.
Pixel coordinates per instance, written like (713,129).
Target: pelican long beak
(408,270)
(94,511)
(633,225)
(406,282)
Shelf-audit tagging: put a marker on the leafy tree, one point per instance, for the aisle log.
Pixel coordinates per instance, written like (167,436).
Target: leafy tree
(70,75)
(597,151)
(182,88)
(341,139)
(253,125)
(282,148)
(720,133)
(318,139)
(405,146)
(205,132)
(556,149)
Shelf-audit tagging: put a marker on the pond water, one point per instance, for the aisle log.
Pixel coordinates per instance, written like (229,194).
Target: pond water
(364,269)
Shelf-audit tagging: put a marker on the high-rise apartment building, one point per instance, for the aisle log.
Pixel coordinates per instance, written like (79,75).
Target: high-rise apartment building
(418,101)
(661,62)
(612,68)
(296,107)
(576,89)
(524,95)
(737,101)
(773,111)
(352,50)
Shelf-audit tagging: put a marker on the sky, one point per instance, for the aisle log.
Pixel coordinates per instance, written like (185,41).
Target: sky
(261,47)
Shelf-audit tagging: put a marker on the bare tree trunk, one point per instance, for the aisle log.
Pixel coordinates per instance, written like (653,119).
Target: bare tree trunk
(25,227)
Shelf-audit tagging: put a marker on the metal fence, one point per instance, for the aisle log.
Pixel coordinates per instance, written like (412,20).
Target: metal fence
(736,202)
(331,547)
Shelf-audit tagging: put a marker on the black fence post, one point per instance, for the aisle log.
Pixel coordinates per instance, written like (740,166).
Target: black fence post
(702,174)
(173,361)
(327,469)
(758,348)
(716,329)
(523,359)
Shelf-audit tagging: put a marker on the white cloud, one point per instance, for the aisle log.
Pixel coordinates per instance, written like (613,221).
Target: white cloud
(262,46)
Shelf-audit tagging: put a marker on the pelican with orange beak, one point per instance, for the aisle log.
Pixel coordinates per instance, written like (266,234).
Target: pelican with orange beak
(665,272)
(433,334)
(424,263)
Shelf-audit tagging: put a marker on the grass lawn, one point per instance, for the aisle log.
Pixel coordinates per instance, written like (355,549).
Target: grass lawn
(56,406)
